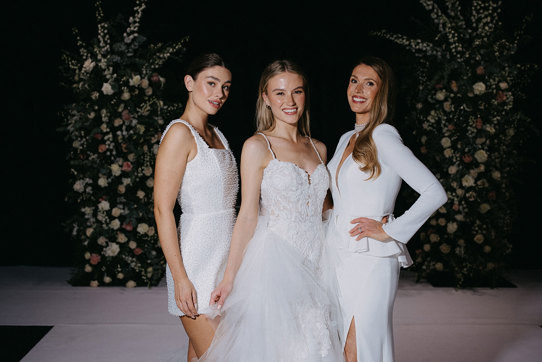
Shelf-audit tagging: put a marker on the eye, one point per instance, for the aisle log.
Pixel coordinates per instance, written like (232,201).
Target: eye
(299,91)
(371,83)
(353,80)
(226,88)
(279,93)
(212,84)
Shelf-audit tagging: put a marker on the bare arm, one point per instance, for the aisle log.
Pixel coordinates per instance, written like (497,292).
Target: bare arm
(176,150)
(254,158)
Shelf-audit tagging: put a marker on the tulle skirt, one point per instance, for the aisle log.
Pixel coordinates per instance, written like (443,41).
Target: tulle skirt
(282,307)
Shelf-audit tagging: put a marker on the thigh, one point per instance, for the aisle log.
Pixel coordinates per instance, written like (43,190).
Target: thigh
(200,331)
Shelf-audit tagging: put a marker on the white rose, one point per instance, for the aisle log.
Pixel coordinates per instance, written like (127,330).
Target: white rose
(87,255)
(445,142)
(451,227)
(94,283)
(487,249)
(467,181)
(147,171)
(107,89)
(151,231)
(144,83)
(94,95)
(434,238)
(88,268)
(441,95)
(445,248)
(148,91)
(433,222)
(116,212)
(115,224)
(107,279)
(484,208)
(132,244)
(102,181)
(121,238)
(439,267)
(140,194)
(447,106)
(452,169)
(479,238)
(121,189)
(126,181)
(89,231)
(131,157)
(136,79)
(115,169)
(142,228)
(427,247)
(496,175)
(88,65)
(112,249)
(130,284)
(480,155)
(503,85)
(120,276)
(479,88)
(442,221)
(79,186)
(102,240)
(448,152)
(480,140)
(510,132)
(149,182)
(103,205)
(125,96)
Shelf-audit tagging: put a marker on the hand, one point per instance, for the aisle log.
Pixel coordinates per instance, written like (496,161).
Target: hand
(366,227)
(186,298)
(221,292)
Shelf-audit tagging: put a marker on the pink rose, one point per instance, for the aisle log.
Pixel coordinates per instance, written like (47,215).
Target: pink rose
(438,85)
(137,251)
(98,136)
(480,70)
(451,127)
(155,78)
(102,148)
(467,158)
(126,115)
(95,259)
(128,226)
(127,166)
(501,96)
(479,123)
(455,207)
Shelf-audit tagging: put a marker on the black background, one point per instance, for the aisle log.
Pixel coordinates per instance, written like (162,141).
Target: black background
(323,38)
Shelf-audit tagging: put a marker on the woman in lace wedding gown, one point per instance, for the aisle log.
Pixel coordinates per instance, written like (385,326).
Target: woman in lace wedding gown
(276,299)
(195,166)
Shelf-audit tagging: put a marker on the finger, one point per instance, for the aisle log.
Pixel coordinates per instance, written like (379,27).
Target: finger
(190,305)
(195,301)
(361,236)
(222,300)
(181,306)
(214,298)
(359,220)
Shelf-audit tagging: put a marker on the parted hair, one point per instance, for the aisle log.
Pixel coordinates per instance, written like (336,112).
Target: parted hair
(365,152)
(264,117)
(204,61)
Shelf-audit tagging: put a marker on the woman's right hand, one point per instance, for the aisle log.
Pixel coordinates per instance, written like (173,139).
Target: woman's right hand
(221,292)
(186,297)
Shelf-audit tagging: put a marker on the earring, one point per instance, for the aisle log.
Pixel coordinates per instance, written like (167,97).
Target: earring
(267,106)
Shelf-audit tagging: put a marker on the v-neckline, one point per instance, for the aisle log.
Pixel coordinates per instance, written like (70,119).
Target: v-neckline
(205,142)
(342,161)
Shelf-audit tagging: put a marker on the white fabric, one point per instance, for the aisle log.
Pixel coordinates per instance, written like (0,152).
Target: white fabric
(356,196)
(207,198)
(282,307)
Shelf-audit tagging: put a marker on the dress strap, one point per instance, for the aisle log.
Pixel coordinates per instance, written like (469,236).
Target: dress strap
(315,150)
(195,134)
(268,144)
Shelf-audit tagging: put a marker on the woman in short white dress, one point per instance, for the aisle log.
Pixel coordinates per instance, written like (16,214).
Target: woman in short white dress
(367,169)
(195,166)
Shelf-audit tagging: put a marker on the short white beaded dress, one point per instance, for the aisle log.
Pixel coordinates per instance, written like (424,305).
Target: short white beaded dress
(207,198)
(282,306)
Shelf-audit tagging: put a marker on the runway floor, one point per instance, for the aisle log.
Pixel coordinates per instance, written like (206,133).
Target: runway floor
(120,324)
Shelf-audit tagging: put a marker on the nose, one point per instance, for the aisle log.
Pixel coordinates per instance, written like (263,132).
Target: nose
(359,87)
(290,99)
(220,93)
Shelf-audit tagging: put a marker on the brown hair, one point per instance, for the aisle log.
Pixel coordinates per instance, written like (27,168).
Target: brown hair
(365,152)
(264,117)
(204,61)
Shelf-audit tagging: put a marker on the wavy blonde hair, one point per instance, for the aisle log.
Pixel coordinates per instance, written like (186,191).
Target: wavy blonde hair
(365,152)
(264,117)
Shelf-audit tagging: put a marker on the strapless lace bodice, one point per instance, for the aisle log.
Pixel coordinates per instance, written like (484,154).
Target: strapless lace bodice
(292,199)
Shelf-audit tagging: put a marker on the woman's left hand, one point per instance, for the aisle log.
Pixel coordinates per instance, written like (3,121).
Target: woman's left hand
(366,227)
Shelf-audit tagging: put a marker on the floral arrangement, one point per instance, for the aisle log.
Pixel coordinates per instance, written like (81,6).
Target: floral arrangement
(114,128)
(467,119)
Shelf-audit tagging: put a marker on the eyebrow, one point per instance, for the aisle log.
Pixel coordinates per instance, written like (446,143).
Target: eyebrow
(374,80)
(281,89)
(215,78)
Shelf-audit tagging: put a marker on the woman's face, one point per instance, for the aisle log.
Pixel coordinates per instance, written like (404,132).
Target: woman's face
(285,94)
(210,89)
(362,89)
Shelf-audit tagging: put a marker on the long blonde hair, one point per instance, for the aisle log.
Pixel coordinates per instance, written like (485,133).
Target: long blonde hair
(264,117)
(365,152)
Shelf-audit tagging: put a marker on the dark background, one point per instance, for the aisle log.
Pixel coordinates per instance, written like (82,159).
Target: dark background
(324,39)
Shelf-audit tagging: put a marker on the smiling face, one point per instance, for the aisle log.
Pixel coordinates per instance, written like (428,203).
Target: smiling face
(285,94)
(362,89)
(210,90)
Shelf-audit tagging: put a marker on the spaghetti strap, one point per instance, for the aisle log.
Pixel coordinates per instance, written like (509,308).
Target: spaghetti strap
(269,145)
(316,150)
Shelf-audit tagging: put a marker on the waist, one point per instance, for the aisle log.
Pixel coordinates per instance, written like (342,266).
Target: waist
(208,213)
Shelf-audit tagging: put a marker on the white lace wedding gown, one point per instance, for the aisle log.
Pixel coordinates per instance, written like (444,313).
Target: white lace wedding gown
(283,304)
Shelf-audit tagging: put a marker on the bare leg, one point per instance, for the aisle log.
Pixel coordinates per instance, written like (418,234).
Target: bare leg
(191,352)
(200,332)
(350,347)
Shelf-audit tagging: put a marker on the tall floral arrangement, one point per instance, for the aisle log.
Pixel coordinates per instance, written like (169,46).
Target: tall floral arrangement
(114,127)
(467,121)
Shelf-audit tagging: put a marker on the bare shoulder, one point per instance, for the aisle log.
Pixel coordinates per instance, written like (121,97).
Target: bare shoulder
(178,133)
(256,149)
(321,147)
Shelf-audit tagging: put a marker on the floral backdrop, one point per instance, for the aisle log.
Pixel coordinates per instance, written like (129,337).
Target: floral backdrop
(114,127)
(468,122)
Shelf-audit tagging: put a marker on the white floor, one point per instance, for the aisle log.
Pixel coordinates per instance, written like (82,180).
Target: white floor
(120,324)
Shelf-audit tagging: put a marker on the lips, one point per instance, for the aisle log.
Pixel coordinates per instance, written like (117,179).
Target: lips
(360,100)
(215,104)
(290,111)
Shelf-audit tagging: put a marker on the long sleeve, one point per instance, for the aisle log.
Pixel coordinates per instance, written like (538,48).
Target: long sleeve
(393,153)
